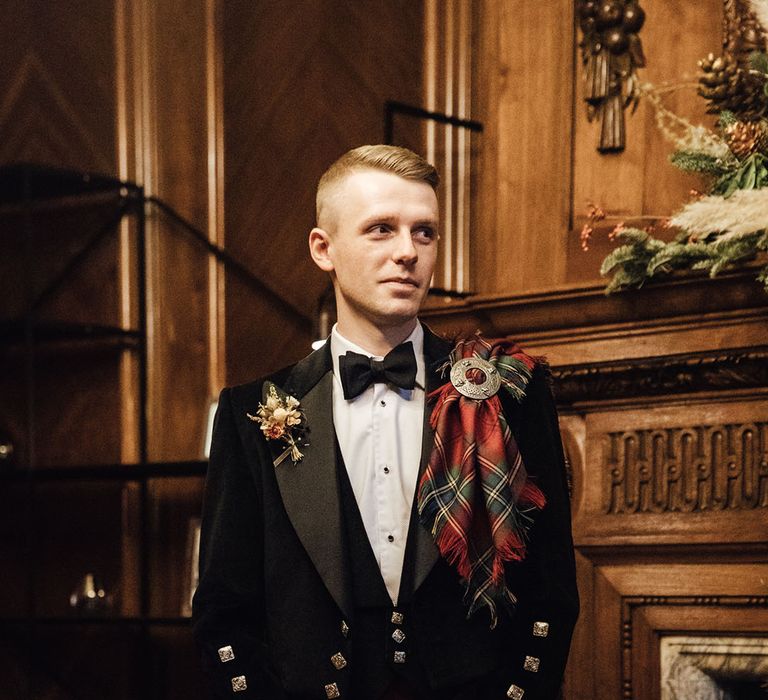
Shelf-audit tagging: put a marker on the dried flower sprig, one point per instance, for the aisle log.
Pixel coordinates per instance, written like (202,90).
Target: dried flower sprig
(596,214)
(281,419)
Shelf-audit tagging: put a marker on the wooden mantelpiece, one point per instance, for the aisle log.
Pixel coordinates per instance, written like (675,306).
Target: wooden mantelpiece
(579,323)
(663,397)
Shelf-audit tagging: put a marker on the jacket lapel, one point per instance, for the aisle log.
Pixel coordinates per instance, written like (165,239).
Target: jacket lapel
(423,552)
(309,488)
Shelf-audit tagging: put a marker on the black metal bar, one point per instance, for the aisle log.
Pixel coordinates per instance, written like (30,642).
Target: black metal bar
(141,265)
(225,257)
(134,621)
(452,293)
(30,524)
(389,123)
(392,107)
(14,332)
(79,257)
(109,472)
(144,505)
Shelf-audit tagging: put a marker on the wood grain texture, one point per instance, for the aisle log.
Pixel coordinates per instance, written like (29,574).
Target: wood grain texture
(641,181)
(57,104)
(57,108)
(303,82)
(523,95)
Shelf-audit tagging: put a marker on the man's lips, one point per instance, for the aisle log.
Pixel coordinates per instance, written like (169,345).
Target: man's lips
(402,280)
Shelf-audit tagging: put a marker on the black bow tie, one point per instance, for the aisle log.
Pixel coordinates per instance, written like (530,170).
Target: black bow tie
(358,371)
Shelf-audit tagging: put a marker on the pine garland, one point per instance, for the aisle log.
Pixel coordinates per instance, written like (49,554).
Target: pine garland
(644,257)
(727,228)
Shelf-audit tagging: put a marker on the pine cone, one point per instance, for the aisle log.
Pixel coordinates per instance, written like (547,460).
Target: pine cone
(726,86)
(746,138)
(718,81)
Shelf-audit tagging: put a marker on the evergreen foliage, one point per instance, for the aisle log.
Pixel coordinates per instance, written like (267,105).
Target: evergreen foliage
(750,174)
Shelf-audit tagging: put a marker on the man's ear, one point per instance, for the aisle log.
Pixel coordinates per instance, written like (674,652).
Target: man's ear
(319,244)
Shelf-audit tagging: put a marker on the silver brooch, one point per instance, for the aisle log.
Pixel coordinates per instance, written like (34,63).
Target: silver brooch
(472,389)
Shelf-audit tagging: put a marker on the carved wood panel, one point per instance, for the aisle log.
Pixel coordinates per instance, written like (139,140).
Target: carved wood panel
(678,472)
(687,469)
(632,605)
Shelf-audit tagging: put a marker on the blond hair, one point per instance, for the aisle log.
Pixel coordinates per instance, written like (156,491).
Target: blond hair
(392,159)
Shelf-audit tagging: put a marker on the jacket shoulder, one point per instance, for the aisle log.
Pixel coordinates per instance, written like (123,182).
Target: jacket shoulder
(248,392)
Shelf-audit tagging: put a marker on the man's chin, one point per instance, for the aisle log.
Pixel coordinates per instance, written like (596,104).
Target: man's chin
(399,316)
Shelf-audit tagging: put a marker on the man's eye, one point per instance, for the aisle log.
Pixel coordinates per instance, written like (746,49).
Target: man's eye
(379,229)
(424,234)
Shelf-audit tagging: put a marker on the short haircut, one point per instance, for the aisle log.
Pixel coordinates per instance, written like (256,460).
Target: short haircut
(391,159)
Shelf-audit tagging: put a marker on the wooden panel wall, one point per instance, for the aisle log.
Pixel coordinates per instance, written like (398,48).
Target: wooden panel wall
(539,166)
(523,95)
(57,108)
(168,138)
(303,82)
(641,181)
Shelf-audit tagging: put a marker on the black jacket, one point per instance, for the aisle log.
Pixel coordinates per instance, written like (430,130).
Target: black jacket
(275,589)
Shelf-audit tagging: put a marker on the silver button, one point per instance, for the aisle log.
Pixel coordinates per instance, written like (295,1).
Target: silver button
(399,657)
(226,654)
(531,664)
(238,684)
(397,618)
(344,628)
(540,629)
(338,661)
(398,635)
(332,691)
(515,692)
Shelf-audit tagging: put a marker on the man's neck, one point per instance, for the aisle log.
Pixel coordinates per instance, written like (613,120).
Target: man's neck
(377,341)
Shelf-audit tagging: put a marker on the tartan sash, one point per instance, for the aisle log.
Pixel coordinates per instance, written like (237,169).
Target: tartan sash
(475,494)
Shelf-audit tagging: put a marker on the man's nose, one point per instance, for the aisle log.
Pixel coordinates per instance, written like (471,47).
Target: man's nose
(405,250)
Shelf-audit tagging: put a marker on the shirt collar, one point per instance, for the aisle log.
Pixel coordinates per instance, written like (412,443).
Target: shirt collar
(340,346)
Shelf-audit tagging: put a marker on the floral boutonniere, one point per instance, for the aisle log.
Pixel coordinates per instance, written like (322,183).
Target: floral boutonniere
(281,418)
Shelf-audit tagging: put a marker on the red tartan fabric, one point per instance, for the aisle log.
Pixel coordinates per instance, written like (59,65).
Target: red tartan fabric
(475,493)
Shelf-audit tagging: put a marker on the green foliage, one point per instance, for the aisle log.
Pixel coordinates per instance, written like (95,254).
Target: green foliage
(676,256)
(758,60)
(751,174)
(644,257)
(629,262)
(726,118)
(694,162)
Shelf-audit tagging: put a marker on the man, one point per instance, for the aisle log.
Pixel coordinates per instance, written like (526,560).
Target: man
(339,556)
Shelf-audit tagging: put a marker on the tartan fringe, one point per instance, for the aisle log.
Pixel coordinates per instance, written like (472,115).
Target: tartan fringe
(475,495)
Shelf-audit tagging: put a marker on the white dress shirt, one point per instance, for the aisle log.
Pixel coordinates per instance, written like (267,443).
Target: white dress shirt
(379,433)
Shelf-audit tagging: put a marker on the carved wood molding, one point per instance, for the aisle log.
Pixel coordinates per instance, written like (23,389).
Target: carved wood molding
(687,469)
(584,309)
(740,368)
(631,604)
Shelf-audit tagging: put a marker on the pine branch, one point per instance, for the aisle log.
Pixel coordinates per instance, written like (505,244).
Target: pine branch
(697,162)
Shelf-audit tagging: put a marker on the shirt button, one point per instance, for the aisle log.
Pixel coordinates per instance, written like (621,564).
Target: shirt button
(386,470)
(390,538)
(383,403)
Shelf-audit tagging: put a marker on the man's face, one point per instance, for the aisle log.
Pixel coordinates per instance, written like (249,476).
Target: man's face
(380,246)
